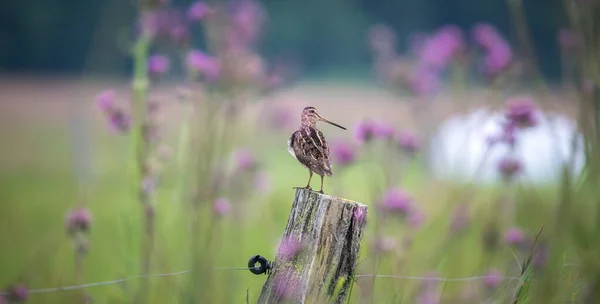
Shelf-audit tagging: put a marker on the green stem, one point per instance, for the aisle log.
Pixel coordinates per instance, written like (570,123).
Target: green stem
(140,93)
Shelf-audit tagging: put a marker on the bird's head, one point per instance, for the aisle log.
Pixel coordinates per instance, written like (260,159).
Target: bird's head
(310,116)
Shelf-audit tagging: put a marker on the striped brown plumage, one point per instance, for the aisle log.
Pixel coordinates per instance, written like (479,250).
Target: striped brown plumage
(309,147)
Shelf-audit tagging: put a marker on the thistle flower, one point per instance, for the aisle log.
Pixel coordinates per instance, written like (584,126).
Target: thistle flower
(285,284)
(423,81)
(179,34)
(359,214)
(245,160)
(342,153)
(509,167)
(290,247)
(383,130)
(119,121)
(397,200)
(408,142)
(18,293)
(106,100)
(364,131)
(208,66)
(514,236)
(521,111)
(438,50)
(498,54)
(79,219)
(198,11)
(158,65)
(221,206)
(493,278)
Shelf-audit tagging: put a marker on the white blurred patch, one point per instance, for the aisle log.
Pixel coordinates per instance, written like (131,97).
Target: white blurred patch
(458,149)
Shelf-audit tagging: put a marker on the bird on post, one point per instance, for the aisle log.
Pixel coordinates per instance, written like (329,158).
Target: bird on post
(309,147)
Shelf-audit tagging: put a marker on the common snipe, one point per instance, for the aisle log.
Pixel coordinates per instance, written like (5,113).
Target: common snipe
(309,147)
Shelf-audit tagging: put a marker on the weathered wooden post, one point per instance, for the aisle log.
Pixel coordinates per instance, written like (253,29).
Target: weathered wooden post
(315,262)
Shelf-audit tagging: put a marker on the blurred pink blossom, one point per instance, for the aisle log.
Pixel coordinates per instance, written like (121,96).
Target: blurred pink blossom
(442,47)
(342,153)
(383,130)
(397,200)
(359,214)
(18,293)
(424,81)
(198,11)
(493,278)
(385,244)
(408,142)
(199,62)
(245,160)
(289,247)
(364,131)
(158,64)
(415,218)
(79,219)
(514,236)
(106,100)
(522,111)
(509,167)
(498,54)
(221,206)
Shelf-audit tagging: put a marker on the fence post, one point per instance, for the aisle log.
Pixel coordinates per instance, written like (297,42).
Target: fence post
(315,263)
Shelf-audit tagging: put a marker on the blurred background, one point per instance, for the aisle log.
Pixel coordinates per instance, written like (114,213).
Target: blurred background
(144,146)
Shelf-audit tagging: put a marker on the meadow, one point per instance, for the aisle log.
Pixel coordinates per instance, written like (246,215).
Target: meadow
(163,189)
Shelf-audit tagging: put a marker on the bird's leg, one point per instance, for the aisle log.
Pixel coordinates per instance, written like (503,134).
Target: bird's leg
(321,185)
(309,178)
(307,184)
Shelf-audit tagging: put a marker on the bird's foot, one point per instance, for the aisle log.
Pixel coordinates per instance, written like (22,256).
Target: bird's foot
(305,187)
(321,191)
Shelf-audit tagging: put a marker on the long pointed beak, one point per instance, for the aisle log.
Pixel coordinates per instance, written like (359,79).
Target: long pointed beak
(331,123)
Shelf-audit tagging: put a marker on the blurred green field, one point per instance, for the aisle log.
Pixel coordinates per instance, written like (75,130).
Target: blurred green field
(39,183)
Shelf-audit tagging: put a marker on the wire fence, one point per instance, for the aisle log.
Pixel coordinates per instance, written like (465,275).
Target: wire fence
(118,281)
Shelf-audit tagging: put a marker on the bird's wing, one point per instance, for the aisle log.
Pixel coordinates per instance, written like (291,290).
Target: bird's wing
(290,143)
(312,150)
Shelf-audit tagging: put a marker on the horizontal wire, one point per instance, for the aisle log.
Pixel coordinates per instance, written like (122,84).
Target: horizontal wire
(75,287)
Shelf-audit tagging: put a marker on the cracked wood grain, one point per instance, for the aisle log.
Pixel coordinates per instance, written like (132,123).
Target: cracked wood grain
(325,233)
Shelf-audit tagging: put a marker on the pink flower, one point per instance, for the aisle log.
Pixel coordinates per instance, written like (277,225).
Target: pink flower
(424,81)
(179,34)
(509,167)
(198,11)
(79,219)
(385,244)
(342,153)
(359,214)
(245,160)
(106,100)
(158,64)
(514,236)
(18,293)
(442,47)
(221,206)
(383,130)
(290,247)
(408,142)
(493,278)
(208,66)
(397,200)
(498,53)
(364,131)
(521,111)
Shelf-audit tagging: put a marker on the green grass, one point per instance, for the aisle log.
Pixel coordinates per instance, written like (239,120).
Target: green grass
(36,250)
